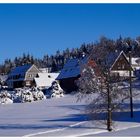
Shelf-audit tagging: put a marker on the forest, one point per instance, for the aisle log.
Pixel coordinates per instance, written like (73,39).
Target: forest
(99,49)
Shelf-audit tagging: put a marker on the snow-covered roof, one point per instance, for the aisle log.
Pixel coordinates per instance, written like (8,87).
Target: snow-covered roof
(45,69)
(45,79)
(72,68)
(111,58)
(117,57)
(20,69)
(135,61)
(15,80)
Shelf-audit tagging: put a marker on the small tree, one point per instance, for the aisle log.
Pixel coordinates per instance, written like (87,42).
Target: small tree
(104,93)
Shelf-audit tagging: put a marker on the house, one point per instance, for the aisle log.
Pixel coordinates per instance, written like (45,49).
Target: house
(44,80)
(116,62)
(71,72)
(22,76)
(119,64)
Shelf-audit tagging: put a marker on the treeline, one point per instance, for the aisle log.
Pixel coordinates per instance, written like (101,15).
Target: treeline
(56,62)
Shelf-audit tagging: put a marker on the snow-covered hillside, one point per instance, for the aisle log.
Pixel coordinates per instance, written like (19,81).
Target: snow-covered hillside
(21,119)
(56,117)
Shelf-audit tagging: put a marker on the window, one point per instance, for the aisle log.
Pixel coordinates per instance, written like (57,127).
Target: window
(119,66)
(30,75)
(28,83)
(123,66)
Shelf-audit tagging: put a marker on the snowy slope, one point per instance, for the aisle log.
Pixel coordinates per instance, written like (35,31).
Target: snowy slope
(58,117)
(130,132)
(24,118)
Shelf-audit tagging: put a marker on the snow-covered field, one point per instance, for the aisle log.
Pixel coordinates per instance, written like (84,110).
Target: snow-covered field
(130,132)
(56,117)
(62,117)
(48,115)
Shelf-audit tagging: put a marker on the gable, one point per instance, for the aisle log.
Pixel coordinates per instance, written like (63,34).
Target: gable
(111,58)
(31,73)
(33,69)
(121,63)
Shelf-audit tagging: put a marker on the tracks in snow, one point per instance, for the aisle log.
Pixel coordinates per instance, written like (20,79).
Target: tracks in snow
(55,130)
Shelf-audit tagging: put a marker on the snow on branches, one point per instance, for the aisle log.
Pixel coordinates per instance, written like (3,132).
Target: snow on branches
(98,90)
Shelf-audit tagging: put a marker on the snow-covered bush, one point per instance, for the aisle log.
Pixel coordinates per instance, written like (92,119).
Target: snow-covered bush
(55,90)
(37,94)
(5,97)
(28,95)
(21,95)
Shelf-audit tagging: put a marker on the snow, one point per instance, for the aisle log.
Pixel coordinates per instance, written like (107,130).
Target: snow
(122,73)
(72,68)
(28,95)
(3,78)
(56,90)
(5,101)
(124,132)
(5,98)
(20,69)
(63,117)
(21,95)
(45,115)
(135,61)
(45,79)
(54,117)
(112,57)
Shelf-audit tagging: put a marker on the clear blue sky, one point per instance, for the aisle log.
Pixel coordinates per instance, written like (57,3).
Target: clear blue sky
(44,28)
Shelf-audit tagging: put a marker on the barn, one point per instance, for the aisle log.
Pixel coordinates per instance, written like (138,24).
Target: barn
(71,72)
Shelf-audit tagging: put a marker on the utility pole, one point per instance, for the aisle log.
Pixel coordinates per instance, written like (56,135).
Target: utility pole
(130,82)
(109,113)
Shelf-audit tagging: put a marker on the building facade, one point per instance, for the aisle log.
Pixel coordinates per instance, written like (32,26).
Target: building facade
(22,76)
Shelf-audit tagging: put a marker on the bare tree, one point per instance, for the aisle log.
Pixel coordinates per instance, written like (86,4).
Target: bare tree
(105,93)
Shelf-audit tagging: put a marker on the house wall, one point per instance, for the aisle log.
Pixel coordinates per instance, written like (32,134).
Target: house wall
(10,84)
(68,84)
(18,84)
(23,79)
(121,64)
(31,73)
(122,73)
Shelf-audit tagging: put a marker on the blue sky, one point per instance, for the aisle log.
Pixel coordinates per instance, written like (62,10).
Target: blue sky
(44,28)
